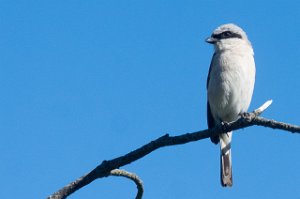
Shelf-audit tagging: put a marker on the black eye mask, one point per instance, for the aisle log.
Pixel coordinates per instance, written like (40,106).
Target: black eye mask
(226,35)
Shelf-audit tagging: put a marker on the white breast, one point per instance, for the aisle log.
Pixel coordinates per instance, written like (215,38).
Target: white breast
(231,84)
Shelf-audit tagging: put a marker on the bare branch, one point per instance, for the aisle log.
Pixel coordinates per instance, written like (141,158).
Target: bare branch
(105,168)
(262,108)
(133,177)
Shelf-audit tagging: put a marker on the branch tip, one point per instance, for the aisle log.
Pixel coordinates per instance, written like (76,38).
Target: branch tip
(262,108)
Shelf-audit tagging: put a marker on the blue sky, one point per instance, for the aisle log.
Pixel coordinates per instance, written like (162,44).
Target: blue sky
(84,81)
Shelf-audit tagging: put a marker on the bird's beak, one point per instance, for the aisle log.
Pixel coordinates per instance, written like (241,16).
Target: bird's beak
(211,40)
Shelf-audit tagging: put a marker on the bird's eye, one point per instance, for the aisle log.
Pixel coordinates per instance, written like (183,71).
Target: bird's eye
(226,34)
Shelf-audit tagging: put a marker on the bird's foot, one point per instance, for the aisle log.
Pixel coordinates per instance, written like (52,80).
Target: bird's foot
(225,127)
(245,115)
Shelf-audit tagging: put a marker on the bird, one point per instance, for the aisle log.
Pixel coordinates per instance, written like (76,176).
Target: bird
(230,85)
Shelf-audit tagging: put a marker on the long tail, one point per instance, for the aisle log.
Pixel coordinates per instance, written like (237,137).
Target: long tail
(226,166)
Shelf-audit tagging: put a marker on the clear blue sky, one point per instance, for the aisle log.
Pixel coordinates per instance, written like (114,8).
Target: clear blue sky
(84,81)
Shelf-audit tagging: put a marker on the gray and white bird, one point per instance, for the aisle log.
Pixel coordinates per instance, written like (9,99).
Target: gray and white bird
(230,84)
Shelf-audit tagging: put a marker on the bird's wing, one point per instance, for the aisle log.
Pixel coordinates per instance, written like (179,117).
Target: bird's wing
(208,76)
(211,124)
(210,119)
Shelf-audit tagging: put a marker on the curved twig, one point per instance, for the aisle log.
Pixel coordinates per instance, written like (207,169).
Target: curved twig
(133,177)
(103,170)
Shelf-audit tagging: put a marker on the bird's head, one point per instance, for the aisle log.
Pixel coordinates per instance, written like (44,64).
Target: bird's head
(227,36)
